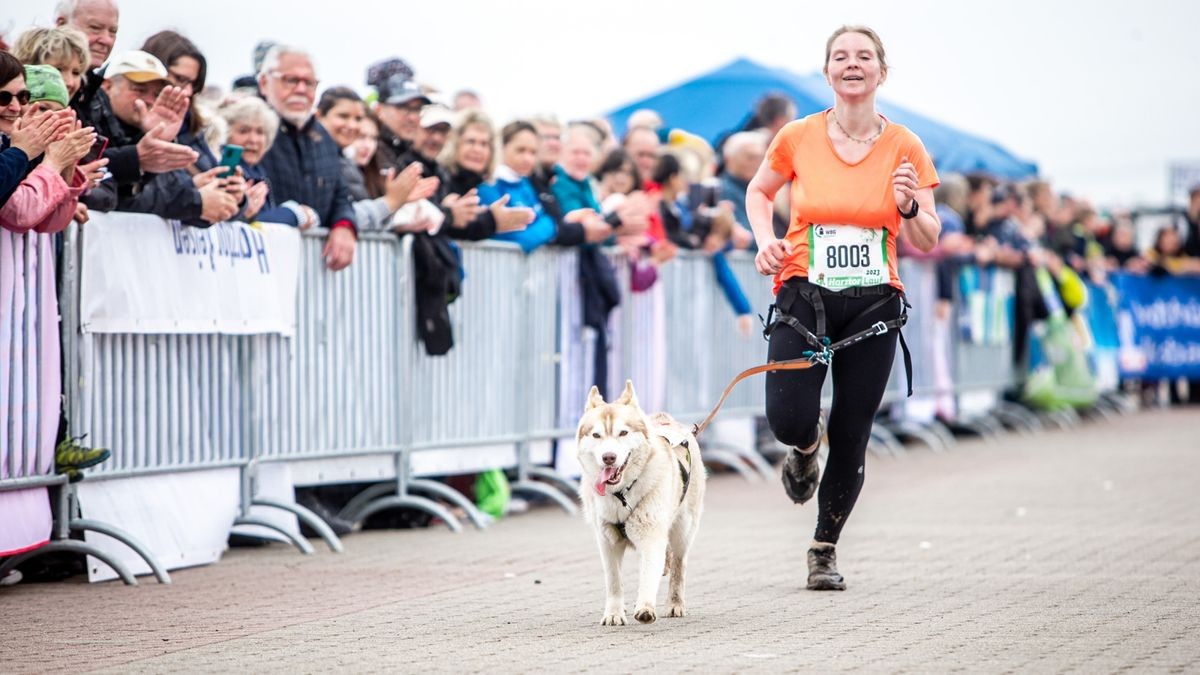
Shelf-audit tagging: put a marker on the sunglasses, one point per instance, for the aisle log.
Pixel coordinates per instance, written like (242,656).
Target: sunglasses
(6,97)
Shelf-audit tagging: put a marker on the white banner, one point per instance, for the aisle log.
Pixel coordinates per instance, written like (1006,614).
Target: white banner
(142,274)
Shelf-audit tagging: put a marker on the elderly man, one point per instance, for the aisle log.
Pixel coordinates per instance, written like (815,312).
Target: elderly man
(642,144)
(303,164)
(155,152)
(128,104)
(399,109)
(743,153)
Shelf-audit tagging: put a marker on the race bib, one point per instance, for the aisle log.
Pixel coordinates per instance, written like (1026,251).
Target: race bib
(842,256)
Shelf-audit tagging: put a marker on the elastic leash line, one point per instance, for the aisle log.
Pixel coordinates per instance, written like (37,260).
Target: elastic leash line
(791,364)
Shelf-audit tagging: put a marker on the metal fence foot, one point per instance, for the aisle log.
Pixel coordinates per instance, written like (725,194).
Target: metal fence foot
(750,456)
(554,478)
(124,537)
(920,433)
(883,436)
(71,546)
(359,502)
(296,540)
(411,502)
(1016,416)
(731,460)
(943,432)
(534,487)
(436,489)
(308,518)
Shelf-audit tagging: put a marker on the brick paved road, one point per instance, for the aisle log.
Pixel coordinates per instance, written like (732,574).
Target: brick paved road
(1066,552)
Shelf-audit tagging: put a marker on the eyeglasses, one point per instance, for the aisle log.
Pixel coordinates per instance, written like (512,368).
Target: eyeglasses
(181,81)
(6,97)
(291,81)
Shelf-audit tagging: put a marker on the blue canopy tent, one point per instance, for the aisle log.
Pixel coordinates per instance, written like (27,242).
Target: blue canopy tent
(717,102)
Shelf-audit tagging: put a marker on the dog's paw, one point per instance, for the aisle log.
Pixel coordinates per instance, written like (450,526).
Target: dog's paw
(614,619)
(675,611)
(645,614)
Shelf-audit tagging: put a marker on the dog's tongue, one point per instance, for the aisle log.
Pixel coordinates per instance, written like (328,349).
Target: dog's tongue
(601,481)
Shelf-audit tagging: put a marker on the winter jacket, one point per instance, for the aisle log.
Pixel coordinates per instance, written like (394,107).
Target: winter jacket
(520,192)
(42,202)
(305,166)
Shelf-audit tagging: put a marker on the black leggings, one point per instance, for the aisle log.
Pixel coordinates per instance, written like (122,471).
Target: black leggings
(860,377)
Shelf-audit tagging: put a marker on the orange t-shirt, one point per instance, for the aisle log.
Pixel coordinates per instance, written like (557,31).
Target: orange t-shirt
(828,190)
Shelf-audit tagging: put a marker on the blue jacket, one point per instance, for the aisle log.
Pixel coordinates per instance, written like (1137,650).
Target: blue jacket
(271,211)
(573,194)
(13,167)
(305,166)
(520,192)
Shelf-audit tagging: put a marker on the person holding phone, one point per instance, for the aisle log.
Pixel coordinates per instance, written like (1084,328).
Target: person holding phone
(859,181)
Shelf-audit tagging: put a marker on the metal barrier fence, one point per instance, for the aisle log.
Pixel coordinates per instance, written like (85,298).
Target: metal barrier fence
(355,380)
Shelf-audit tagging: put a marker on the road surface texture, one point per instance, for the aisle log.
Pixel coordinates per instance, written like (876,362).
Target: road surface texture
(1067,551)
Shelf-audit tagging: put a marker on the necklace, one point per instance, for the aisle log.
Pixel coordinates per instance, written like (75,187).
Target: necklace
(847,133)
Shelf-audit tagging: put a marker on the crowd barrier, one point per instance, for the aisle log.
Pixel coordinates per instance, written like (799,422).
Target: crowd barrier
(355,381)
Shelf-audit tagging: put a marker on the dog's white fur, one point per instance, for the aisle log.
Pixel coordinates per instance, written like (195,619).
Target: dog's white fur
(658,525)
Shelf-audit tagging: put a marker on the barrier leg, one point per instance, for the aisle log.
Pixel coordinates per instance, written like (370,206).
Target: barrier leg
(308,518)
(554,478)
(543,490)
(1013,415)
(921,434)
(730,460)
(881,435)
(296,540)
(410,502)
(120,535)
(943,432)
(71,546)
(433,488)
(749,456)
(354,507)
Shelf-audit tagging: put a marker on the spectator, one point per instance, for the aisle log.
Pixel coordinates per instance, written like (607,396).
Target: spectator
(303,164)
(97,20)
(467,99)
(1121,252)
(341,112)
(1191,217)
(44,200)
(1167,257)
(616,175)
(642,144)
(398,109)
(743,153)
(253,125)
(64,47)
(550,133)
(511,185)
(469,159)
(572,184)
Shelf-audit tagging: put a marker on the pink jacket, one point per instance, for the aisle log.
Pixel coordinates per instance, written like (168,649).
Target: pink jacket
(43,202)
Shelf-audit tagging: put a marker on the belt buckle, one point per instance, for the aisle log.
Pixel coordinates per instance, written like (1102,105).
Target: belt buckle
(880,328)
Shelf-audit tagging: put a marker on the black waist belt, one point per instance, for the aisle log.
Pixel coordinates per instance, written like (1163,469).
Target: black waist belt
(823,348)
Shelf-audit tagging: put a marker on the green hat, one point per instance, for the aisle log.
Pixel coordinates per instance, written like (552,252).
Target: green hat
(46,84)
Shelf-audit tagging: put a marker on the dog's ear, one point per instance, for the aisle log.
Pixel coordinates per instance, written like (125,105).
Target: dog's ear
(594,398)
(628,397)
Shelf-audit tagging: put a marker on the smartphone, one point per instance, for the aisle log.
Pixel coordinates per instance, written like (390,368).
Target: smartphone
(96,151)
(231,156)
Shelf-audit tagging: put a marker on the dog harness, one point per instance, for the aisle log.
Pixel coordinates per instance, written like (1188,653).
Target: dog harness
(822,348)
(685,475)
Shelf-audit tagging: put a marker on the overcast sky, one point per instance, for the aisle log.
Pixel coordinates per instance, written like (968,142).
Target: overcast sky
(1103,95)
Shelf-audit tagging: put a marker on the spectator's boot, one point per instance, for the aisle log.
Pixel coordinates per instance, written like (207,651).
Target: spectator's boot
(822,568)
(70,456)
(801,473)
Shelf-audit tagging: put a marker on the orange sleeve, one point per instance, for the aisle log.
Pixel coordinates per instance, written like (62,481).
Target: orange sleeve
(927,176)
(781,153)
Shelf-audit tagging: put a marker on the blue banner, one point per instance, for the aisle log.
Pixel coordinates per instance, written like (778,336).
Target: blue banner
(1158,321)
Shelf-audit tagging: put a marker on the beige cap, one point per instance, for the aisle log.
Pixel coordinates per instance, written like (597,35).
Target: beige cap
(137,66)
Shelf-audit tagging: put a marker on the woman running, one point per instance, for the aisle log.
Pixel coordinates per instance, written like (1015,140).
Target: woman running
(858,182)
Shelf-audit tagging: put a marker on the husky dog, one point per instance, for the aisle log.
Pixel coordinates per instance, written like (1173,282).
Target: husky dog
(642,485)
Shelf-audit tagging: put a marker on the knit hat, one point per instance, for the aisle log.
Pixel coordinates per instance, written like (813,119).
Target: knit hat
(46,84)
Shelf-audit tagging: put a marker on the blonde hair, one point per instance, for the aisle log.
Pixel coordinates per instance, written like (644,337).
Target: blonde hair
(44,45)
(871,35)
(476,118)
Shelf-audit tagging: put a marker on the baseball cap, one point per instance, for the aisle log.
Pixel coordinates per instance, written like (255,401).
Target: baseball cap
(137,66)
(435,114)
(398,90)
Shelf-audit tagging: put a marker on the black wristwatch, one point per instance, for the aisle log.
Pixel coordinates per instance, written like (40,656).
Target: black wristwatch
(916,208)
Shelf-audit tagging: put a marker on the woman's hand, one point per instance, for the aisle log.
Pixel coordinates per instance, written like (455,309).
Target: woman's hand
(904,185)
(771,258)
